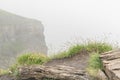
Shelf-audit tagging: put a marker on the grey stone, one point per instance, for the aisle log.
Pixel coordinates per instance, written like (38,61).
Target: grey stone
(111,63)
(59,72)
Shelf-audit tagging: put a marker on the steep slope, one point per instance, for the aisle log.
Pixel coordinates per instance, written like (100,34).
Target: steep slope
(19,35)
(78,61)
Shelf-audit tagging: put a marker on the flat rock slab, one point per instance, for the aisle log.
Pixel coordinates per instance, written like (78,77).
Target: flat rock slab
(51,73)
(111,62)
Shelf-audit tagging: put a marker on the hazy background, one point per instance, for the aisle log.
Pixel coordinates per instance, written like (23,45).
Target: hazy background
(66,20)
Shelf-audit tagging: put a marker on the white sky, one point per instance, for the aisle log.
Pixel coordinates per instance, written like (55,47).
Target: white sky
(67,19)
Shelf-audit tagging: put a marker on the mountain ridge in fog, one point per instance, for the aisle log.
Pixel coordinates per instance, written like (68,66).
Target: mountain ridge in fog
(19,35)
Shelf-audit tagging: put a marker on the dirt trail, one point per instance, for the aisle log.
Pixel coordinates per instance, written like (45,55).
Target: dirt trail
(78,61)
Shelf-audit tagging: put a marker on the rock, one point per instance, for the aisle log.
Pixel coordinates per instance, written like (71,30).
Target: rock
(111,63)
(19,35)
(7,77)
(49,73)
(101,75)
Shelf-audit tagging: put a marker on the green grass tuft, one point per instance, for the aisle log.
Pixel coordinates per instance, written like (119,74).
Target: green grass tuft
(27,59)
(90,47)
(31,59)
(14,69)
(70,52)
(3,72)
(98,47)
(95,62)
(94,65)
(75,49)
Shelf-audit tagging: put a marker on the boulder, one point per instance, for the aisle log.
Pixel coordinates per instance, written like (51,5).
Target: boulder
(111,63)
(59,72)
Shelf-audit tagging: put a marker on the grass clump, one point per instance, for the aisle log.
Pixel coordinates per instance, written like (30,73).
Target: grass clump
(89,47)
(75,49)
(3,72)
(70,52)
(95,67)
(98,47)
(95,61)
(94,64)
(27,59)
(14,69)
(31,59)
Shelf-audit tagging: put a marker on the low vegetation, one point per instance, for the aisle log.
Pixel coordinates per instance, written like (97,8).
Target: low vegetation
(25,60)
(94,64)
(90,47)
(2,71)
(31,59)
(28,59)
(94,49)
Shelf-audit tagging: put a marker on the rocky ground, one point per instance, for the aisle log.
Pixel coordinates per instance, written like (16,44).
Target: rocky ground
(73,68)
(58,72)
(79,61)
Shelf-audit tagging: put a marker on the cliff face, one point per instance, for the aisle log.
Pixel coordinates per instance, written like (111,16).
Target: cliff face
(19,35)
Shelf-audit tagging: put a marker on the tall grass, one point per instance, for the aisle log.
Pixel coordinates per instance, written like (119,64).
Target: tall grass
(3,72)
(90,47)
(26,60)
(99,47)
(32,58)
(94,64)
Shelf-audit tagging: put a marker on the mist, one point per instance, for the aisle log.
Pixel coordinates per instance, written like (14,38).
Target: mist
(65,20)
